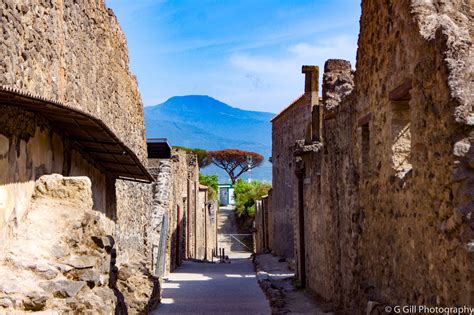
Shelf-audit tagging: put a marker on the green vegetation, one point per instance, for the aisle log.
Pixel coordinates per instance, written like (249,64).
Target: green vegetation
(202,155)
(211,181)
(246,194)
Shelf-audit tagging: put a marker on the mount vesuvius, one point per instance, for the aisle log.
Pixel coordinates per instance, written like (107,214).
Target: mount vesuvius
(199,121)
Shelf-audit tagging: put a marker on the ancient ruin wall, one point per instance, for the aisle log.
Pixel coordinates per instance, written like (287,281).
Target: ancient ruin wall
(140,211)
(76,53)
(270,221)
(289,126)
(261,225)
(141,208)
(201,223)
(179,210)
(206,224)
(30,148)
(193,195)
(328,196)
(134,208)
(212,219)
(389,221)
(60,259)
(416,224)
(161,170)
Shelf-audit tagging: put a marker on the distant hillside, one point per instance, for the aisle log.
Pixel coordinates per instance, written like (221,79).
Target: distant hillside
(199,121)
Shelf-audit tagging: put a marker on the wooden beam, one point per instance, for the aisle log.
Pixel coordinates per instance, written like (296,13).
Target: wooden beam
(402,92)
(364,119)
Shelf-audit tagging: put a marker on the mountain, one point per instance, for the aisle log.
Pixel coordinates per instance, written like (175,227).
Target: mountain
(199,121)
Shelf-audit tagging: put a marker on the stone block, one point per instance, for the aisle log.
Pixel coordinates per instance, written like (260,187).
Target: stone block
(63,288)
(81,262)
(35,301)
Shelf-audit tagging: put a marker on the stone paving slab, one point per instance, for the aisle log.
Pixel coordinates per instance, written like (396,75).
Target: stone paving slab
(212,288)
(275,278)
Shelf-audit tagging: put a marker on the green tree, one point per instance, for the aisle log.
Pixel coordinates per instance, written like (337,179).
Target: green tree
(246,194)
(235,162)
(211,181)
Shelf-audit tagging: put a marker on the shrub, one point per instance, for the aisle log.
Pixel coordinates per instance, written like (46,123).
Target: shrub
(246,194)
(211,181)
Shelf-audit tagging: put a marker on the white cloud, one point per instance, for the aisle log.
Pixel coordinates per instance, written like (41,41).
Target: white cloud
(279,77)
(302,53)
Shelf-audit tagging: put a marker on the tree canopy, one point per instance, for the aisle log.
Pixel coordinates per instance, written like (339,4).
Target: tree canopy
(235,162)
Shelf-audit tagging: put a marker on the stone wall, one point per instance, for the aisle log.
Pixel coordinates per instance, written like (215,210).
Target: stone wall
(211,236)
(193,203)
(206,225)
(289,126)
(201,223)
(134,211)
(30,148)
(387,197)
(191,229)
(329,194)
(192,215)
(60,259)
(76,53)
(141,208)
(261,234)
(181,208)
(270,225)
(421,214)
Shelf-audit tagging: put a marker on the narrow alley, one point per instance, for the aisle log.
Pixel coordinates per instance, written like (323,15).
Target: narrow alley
(237,157)
(216,288)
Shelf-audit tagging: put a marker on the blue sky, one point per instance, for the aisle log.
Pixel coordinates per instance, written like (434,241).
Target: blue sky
(245,53)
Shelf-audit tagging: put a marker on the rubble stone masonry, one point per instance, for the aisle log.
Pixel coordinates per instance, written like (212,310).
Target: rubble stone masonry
(76,53)
(388,196)
(29,148)
(290,125)
(73,52)
(141,209)
(415,219)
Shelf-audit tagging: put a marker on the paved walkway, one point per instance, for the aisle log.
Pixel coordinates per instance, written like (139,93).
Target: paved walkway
(294,301)
(215,288)
(226,227)
(206,288)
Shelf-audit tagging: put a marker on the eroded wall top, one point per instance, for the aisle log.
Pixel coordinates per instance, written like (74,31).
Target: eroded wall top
(76,53)
(452,21)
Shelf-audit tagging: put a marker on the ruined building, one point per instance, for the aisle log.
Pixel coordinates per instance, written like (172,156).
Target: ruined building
(173,210)
(373,185)
(87,221)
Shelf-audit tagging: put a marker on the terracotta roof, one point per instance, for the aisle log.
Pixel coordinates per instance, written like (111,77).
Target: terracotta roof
(287,107)
(90,133)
